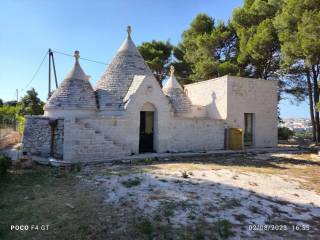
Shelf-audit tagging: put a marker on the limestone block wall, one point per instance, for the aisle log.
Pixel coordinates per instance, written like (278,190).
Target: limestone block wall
(257,96)
(211,94)
(84,142)
(37,137)
(189,134)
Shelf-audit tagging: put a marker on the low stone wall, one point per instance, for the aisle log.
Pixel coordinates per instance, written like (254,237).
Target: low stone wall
(37,137)
(196,135)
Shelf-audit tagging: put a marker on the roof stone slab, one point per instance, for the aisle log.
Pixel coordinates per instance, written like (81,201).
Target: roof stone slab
(116,80)
(75,91)
(177,96)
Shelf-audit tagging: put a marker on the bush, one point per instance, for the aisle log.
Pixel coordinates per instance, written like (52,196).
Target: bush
(284,133)
(5,163)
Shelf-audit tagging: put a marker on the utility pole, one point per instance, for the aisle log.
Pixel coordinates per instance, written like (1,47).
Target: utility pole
(54,72)
(49,86)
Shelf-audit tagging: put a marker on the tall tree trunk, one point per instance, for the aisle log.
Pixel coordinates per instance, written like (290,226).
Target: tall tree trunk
(314,135)
(316,100)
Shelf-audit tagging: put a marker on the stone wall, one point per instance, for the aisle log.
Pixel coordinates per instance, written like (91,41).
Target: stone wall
(37,137)
(189,134)
(231,97)
(58,139)
(257,96)
(210,94)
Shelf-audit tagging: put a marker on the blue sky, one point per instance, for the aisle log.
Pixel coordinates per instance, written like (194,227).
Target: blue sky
(96,29)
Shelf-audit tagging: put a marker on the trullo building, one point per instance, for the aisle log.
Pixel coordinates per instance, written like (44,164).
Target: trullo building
(128,113)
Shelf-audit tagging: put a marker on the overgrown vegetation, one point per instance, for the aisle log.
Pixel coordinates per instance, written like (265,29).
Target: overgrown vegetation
(12,113)
(284,133)
(5,163)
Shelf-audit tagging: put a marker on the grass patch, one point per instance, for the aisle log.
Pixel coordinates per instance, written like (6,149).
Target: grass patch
(39,196)
(132,182)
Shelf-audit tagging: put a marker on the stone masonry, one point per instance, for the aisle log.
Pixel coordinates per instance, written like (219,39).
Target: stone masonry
(86,124)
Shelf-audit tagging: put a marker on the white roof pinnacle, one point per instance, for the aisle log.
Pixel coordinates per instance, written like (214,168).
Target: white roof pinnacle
(77,72)
(172,82)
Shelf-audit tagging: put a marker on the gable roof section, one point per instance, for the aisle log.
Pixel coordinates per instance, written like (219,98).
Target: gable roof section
(137,81)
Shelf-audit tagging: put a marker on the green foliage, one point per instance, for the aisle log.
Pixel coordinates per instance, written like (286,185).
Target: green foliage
(31,104)
(5,163)
(132,182)
(259,48)
(76,167)
(182,68)
(284,133)
(1,102)
(8,114)
(223,229)
(157,56)
(299,34)
(20,120)
(298,27)
(210,49)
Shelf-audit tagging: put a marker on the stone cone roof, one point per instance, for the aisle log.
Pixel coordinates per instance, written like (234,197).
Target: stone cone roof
(75,91)
(116,80)
(177,96)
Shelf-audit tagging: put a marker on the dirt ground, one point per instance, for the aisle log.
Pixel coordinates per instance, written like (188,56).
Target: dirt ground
(9,138)
(243,196)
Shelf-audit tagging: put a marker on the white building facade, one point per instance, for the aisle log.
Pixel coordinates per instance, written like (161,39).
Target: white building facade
(128,113)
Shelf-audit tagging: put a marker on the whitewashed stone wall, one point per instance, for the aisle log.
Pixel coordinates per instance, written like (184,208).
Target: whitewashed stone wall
(171,133)
(106,135)
(189,134)
(211,94)
(257,96)
(230,97)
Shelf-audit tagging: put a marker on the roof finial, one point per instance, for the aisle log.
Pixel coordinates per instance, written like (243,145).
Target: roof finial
(171,70)
(76,55)
(129,30)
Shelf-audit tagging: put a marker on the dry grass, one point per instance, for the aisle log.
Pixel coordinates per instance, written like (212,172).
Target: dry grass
(304,167)
(9,139)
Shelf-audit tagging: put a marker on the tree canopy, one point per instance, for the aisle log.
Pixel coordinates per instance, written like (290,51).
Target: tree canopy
(259,48)
(209,48)
(31,104)
(299,34)
(157,55)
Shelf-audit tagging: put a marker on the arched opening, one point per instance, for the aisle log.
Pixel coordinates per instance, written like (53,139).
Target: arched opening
(147,128)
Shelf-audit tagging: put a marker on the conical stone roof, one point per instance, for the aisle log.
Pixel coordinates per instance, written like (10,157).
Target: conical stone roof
(116,80)
(177,96)
(74,93)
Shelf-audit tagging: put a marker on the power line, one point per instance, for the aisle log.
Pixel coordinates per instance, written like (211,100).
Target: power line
(86,59)
(36,72)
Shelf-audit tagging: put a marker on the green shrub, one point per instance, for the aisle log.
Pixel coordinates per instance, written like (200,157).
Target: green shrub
(284,133)
(223,228)
(132,182)
(184,174)
(77,167)
(5,163)
(21,124)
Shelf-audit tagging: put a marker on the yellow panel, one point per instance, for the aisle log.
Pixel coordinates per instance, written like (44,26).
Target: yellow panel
(235,138)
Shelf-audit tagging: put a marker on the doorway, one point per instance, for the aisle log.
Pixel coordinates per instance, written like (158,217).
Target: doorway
(248,129)
(146,131)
